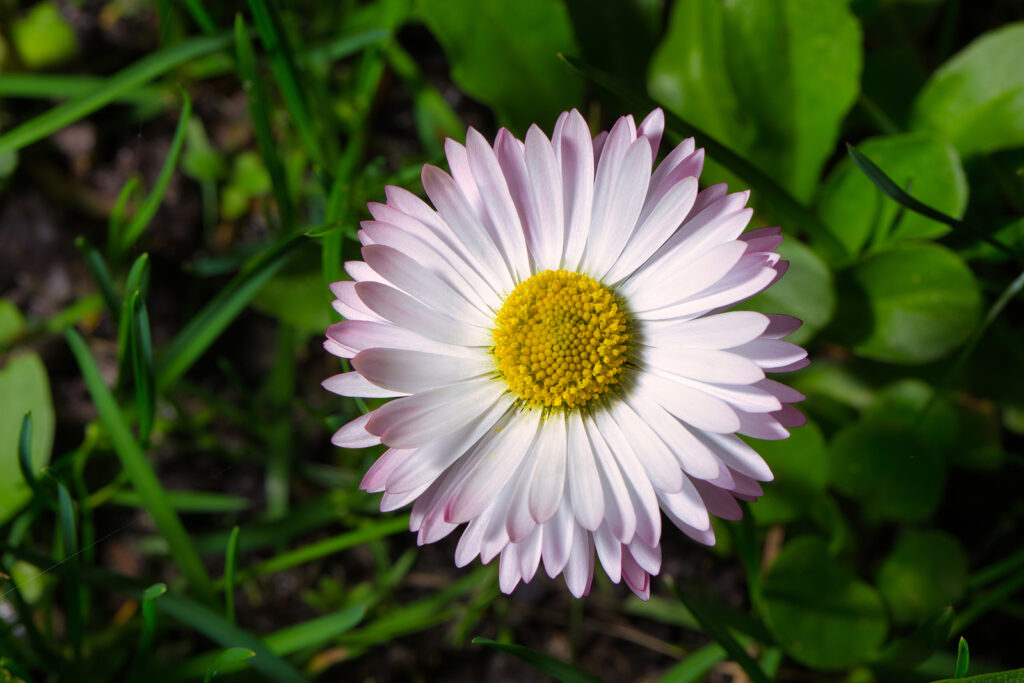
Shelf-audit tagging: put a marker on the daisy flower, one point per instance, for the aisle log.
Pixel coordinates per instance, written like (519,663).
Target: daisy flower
(554,337)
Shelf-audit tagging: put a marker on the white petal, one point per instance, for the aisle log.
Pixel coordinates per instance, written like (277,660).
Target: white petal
(414,371)
(720,331)
(433,458)
(500,457)
(375,477)
(405,311)
(508,570)
(406,273)
(652,128)
(619,192)
(576,157)
(419,419)
(584,480)
(655,228)
(497,200)
(735,453)
(689,405)
(609,551)
(529,554)
(366,334)
(548,486)
(354,434)
(545,236)
(660,288)
(706,365)
(686,505)
(658,462)
(619,515)
(695,458)
(558,540)
(354,384)
(579,570)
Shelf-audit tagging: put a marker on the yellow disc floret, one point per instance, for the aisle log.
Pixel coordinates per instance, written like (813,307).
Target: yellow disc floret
(561,339)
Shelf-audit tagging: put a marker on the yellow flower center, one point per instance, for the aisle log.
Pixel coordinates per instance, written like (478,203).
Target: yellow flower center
(561,339)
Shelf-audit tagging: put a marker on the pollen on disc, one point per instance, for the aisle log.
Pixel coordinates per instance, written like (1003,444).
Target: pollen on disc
(561,339)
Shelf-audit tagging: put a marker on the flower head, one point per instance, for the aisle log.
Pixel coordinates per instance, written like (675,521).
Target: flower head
(555,338)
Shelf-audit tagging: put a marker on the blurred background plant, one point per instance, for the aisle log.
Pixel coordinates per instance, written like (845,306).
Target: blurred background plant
(180,180)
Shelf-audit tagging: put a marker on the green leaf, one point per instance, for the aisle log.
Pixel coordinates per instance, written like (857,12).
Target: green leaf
(139,73)
(976,99)
(805,291)
(556,668)
(217,629)
(230,659)
(963,658)
(800,465)
(100,273)
(504,53)
(819,612)
(42,37)
(773,80)
(206,326)
(887,467)
(1015,676)
(145,212)
(922,302)
(299,299)
(694,667)
(24,388)
(142,366)
(858,213)
(719,631)
(139,471)
(925,571)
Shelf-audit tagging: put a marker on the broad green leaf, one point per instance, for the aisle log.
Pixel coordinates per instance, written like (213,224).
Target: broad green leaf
(504,53)
(819,612)
(805,291)
(772,80)
(800,465)
(42,37)
(858,213)
(925,571)
(976,99)
(888,468)
(922,302)
(24,387)
(297,298)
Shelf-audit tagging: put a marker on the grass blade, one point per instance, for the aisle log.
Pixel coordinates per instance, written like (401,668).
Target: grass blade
(139,73)
(142,366)
(69,541)
(259,108)
(63,86)
(230,563)
(719,632)
(25,459)
(695,665)
(963,659)
(208,324)
(234,657)
(200,15)
(139,471)
(217,629)
(98,267)
(137,280)
(149,207)
(556,668)
(282,63)
(328,546)
(148,631)
(788,209)
(895,192)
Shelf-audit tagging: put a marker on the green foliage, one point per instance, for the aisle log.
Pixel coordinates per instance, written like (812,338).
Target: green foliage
(921,301)
(976,99)
(24,389)
(191,436)
(771,81)
(859,214)
(819,612)
(42,37)
(925,571)
(519,41)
